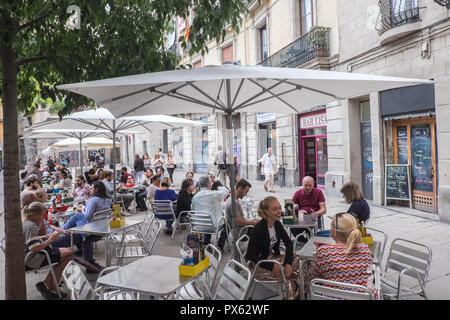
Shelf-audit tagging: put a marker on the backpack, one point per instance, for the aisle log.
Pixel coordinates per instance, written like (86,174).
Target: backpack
(223,166)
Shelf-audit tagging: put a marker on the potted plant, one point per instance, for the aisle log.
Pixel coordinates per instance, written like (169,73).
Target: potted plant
(318,40)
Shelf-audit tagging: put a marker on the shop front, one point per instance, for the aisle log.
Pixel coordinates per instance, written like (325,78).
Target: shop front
(313,147)
(410,114)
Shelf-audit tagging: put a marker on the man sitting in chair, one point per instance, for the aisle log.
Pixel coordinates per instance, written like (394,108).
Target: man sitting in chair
(309,200)
(210,201)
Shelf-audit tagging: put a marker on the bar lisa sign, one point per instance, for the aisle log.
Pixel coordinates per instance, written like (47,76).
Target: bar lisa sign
(313,121)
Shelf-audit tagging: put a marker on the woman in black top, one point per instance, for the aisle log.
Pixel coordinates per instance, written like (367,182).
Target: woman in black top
(359,205)
(185,196)
(264,244)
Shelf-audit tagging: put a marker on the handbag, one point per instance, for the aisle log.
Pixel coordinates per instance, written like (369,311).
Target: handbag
(174,166)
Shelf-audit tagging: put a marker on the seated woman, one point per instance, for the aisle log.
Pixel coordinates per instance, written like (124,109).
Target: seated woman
(164,193)
(98,202)
(264,244)
(352,260)
(359,205)
(185,197)
(33,219)
(141,194)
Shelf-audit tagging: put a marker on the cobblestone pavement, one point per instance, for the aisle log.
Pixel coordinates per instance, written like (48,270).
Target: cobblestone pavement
(397,222)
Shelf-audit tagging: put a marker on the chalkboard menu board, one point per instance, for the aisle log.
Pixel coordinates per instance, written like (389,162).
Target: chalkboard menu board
(402,145)
(398,183)
(421,157)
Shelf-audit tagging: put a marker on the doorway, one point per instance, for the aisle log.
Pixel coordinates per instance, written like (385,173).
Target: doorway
(414,142)
(315,159)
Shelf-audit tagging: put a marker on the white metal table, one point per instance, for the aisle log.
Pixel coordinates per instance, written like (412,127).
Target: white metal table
(300,223)
(101,227)
(152,275)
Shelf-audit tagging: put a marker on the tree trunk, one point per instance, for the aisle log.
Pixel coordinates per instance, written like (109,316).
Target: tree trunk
(15,286)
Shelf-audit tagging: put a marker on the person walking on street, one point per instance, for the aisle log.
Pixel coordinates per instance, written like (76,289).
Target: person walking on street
(139,168)
(170,165)
(269,168)
(221,162)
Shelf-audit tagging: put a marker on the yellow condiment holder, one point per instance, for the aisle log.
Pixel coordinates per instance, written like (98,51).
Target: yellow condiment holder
(191,271)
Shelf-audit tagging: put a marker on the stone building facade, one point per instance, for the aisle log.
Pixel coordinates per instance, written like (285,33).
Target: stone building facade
(345,140)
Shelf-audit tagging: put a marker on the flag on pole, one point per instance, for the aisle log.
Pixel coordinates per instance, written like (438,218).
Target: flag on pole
(186,35)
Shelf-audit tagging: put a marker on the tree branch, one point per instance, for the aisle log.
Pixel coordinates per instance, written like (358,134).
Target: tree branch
(31,59)
(29,23)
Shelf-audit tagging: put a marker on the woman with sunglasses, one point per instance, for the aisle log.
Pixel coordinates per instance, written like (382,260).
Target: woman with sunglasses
(348,260)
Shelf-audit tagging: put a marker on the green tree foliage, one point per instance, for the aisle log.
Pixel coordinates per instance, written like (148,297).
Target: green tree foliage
(114,38)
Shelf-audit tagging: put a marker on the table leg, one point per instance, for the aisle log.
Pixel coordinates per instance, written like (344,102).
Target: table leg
(107,257)
(302,279)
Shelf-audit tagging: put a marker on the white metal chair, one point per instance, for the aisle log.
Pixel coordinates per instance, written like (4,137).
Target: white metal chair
(322,289)
(267,289)
(382,238)
(202,222)
(134,234)
(406,258)
(103,292)
(163,209)
(202,287)
(103,214)
(245,230)
(49,265)
(241,247)
(178,222)
(298,244)
(140,247)
(234,283)
(81,289)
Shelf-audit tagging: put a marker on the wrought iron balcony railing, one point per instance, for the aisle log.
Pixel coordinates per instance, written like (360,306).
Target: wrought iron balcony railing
(394,13)
(310,46)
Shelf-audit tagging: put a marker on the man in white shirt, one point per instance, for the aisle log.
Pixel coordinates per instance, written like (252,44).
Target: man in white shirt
(269,168)
(210,201)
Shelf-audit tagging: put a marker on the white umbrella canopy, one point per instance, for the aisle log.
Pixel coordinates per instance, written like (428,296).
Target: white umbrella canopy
(230,88)
(90,142)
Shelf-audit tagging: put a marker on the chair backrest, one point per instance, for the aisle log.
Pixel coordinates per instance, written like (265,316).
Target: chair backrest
(145,227)
(234,283)
(163,209)
(2,245)
(382,238)
(201,221)
(102,214)
(322,289)
(215,256)
(245,230)
(405,254)
(100,289)
(152,234)
(241,246)
(76,282)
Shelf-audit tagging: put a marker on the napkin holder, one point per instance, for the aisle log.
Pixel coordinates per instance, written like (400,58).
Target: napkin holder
(117,222)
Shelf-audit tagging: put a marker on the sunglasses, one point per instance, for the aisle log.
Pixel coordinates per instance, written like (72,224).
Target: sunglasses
(337,215)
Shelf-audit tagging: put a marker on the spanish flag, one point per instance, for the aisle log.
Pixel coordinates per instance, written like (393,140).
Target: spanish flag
(186,36)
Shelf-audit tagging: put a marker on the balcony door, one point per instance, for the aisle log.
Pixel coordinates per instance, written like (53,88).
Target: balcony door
(306,16)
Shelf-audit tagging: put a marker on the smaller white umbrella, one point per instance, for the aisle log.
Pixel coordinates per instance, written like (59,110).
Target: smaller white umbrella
(90,142)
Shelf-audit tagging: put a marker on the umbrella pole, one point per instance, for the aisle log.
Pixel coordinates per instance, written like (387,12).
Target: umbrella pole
(230,152)
(113,159)
(81,157)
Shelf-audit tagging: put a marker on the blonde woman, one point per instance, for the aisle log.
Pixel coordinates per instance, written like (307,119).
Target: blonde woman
(359,205)
(352,260)
(265,244)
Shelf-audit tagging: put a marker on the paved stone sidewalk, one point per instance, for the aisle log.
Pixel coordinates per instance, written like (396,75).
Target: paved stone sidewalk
(397,222)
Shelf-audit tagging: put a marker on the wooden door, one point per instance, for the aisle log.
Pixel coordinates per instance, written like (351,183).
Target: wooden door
(415,142)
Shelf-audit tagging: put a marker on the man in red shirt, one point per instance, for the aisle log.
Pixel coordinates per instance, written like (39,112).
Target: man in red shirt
(309,200)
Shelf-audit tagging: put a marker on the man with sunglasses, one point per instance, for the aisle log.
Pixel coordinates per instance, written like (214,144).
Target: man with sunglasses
(309,200)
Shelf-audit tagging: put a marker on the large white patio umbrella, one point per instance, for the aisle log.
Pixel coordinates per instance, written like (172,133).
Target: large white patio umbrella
(101,119)
(231,88)
(90,142)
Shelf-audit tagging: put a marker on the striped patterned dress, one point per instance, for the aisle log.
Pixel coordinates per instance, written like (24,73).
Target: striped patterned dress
(331,263)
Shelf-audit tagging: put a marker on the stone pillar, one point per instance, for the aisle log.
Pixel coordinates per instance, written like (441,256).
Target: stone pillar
(188,148)
(377,149)
(442,99)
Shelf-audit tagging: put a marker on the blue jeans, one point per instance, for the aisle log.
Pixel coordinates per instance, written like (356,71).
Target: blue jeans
(221,242)
(78,239)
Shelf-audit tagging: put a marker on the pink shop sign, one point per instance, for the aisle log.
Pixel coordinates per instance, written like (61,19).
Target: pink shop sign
(313,121)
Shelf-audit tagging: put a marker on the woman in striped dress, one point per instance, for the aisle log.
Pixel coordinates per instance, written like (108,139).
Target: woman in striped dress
(348,260)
